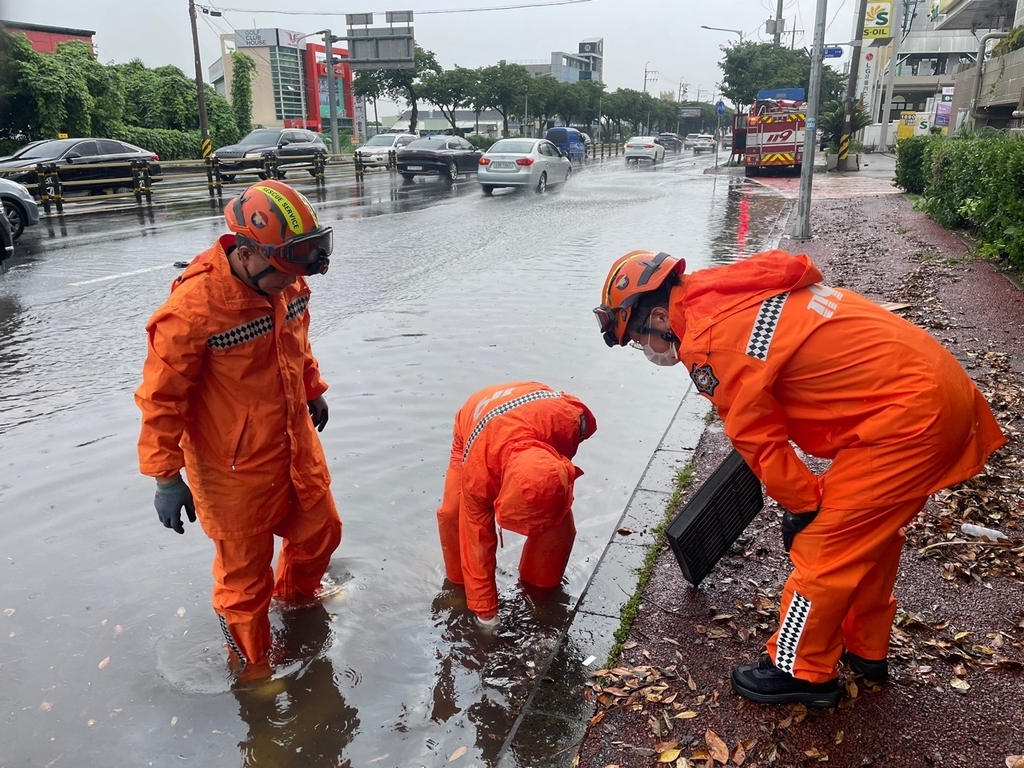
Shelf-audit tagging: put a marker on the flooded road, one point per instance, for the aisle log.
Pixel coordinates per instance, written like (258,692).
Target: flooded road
(109,649)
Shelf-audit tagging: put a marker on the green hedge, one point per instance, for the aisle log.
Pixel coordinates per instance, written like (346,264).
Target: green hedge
(914,163)
(481,142)
(170,145)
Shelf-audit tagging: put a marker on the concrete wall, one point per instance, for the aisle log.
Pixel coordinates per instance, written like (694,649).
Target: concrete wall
(1004,79)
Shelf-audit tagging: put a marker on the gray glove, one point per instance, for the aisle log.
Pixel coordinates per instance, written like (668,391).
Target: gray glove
(793,523)
(169,500)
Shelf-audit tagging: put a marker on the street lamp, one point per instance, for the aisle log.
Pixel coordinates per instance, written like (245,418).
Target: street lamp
(722,29)
(302,83)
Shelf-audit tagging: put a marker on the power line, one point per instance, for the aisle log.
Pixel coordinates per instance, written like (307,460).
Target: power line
(519,6)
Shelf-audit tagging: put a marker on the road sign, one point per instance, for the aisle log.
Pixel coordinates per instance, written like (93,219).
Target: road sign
(834,52)
(720,107)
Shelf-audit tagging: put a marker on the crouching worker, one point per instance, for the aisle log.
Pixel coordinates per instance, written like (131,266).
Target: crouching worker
(784,357)
(510,465)
(232,393)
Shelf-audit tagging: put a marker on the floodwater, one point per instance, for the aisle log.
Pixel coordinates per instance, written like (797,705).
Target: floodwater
(109,651)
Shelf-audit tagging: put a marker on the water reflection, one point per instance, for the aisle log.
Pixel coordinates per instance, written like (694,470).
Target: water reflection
(746,221)
(301,719)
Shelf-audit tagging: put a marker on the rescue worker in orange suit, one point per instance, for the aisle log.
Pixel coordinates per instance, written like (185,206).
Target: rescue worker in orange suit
(232,393)
(510,464)
(784,357)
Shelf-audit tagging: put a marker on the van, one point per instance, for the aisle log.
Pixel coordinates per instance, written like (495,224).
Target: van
(569,141)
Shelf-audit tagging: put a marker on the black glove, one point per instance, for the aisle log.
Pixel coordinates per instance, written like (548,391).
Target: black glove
(318,412)
(169,500)
(793,523)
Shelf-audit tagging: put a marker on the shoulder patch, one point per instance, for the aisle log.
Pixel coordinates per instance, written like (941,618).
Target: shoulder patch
(704,379)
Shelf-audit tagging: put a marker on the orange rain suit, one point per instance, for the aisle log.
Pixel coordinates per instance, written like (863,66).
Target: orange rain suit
(784,357)
(224,393)
(510,464)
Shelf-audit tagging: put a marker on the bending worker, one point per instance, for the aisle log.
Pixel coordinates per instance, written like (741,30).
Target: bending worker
(510,465)
(232,393)
(784,357)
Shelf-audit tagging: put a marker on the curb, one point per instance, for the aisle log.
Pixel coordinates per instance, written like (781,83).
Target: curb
(555,715)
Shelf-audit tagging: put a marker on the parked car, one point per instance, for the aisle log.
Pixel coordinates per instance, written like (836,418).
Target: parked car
(533,163)
(79,162)
(445,156)
(644,148)
(19,207)
(689,140)
(294,146)
(377,150)
(6,238)
(704,143)
(727,141)
(672,142)
(568,140)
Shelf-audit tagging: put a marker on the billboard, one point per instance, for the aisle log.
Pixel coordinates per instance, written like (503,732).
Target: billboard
(878,21)
(689,112)
(266,38)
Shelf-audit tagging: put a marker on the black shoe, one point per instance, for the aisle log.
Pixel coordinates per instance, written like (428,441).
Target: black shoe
(872,671)
(767,684)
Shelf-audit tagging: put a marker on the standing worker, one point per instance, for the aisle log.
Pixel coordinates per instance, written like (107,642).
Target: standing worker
(784,357)
(232,393)
(510,465)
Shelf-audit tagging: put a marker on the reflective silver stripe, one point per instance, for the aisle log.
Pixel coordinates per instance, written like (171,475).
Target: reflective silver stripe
(505,408)
(243,333)
(764,326)
(296,307)
(230,640)
(790,631)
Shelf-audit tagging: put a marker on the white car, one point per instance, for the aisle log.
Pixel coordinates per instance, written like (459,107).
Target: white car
(524,162)
(644,148)
(703,143)
(377,149)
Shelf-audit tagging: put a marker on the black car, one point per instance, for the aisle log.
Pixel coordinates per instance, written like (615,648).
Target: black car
(445,156)
(673,142)
(294,146)
(79,163)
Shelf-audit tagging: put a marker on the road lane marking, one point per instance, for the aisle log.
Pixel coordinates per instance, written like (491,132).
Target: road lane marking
(119,275)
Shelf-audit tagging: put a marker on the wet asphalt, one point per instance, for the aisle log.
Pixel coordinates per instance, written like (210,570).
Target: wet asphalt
(109,650)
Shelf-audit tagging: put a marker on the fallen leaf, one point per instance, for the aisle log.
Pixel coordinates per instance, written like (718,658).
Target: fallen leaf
(839,737)
(739,755)
(457,754)
(91,723)
(624,531)
(682,762)
(668,756)
(687,715)
(8,611)
(851,689)
(816,753)
(46,706)
(104,663)
(719,751)
(960,685)
(174,721)
(665,746)
(118,629)
(786,722)
(1015,761)
(597,718)
(181,611)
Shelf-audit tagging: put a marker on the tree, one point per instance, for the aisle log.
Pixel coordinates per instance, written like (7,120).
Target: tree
(504,87)
(400,84)
(101,93)
(543,99)
(750,67)
(242,67)
(830,120)
(449,91)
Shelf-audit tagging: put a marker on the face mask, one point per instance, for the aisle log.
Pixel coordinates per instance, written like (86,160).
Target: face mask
(666,358)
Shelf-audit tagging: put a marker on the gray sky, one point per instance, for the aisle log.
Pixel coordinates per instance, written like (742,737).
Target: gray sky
(665,35)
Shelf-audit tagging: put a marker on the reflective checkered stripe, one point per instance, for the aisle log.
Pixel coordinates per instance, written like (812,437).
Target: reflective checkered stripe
(243,333)
(790,631)
(230,640)
(505,408)
(764,326)
(778,158)
(296,307)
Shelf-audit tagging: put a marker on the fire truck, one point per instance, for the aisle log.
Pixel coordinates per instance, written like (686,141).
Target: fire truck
(774,131)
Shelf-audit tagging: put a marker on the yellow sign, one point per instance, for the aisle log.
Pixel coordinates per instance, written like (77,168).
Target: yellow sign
(878,21)
(905,128)
(62,135)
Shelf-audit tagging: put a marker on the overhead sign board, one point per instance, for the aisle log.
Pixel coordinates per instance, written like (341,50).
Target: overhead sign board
(878,21)
(398,17)
(833,52)
(358,19)
(689,112)
(381,48)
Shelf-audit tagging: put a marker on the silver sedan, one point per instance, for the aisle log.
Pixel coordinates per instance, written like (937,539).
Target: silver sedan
(532,163)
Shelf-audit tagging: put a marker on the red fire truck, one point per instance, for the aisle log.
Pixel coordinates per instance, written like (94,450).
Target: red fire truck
(774,131)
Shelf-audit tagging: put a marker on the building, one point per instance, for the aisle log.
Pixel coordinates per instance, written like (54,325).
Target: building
(489,122)
(977,14)
(588,64)
(45,39)
(289,84)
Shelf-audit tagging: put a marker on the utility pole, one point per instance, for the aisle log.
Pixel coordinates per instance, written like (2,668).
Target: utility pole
(851,89)
(779,23)
(897,34)
(332,89)
(802,230)
(204,127)
(651,74)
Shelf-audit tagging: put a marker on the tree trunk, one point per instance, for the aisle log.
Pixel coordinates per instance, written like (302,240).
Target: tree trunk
(413,118)
(504,120)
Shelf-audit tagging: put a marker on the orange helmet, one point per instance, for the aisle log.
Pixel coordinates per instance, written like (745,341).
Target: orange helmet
(279,223)
(636,273)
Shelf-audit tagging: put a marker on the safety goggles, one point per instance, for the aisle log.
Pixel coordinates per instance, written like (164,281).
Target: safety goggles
(303,255)
(608,321)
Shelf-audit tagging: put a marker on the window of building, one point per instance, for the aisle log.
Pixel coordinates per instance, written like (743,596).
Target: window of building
(285,76)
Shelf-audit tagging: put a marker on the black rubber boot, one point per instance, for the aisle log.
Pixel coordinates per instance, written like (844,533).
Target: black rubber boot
(872,671)
(767,684)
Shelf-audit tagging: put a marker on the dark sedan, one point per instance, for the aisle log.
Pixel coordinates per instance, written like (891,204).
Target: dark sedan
(444,156)
(293,147)
(672,141)
(90,164)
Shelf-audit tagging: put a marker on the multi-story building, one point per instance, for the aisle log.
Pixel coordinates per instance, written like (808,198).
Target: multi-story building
(45,39)
(290,73)
(565,67)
